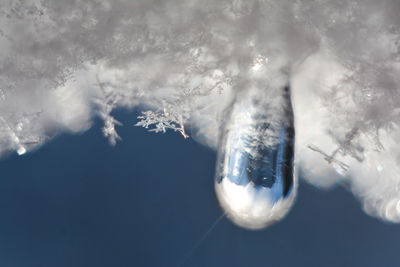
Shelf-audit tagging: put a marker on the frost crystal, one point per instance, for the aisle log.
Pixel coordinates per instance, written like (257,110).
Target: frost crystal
(182,62)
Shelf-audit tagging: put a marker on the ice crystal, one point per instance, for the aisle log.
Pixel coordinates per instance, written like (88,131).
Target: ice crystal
(182,62)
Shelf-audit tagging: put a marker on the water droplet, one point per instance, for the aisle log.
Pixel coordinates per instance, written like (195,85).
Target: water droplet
(21,150)
(255,181)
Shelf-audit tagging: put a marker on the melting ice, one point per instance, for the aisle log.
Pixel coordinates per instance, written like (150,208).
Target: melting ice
(254,182)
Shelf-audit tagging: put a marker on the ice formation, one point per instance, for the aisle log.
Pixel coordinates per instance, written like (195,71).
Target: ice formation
(182,63)
(255,181)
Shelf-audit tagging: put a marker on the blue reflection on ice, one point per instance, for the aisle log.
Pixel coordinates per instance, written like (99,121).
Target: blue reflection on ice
(254,180)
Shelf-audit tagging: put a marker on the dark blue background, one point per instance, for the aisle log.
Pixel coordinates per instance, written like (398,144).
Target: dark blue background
(79,202)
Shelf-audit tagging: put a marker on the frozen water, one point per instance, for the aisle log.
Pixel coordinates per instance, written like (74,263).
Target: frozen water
(255,181)
(182,62)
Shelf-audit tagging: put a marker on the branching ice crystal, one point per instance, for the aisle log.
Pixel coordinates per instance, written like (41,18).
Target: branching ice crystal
(182,63)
